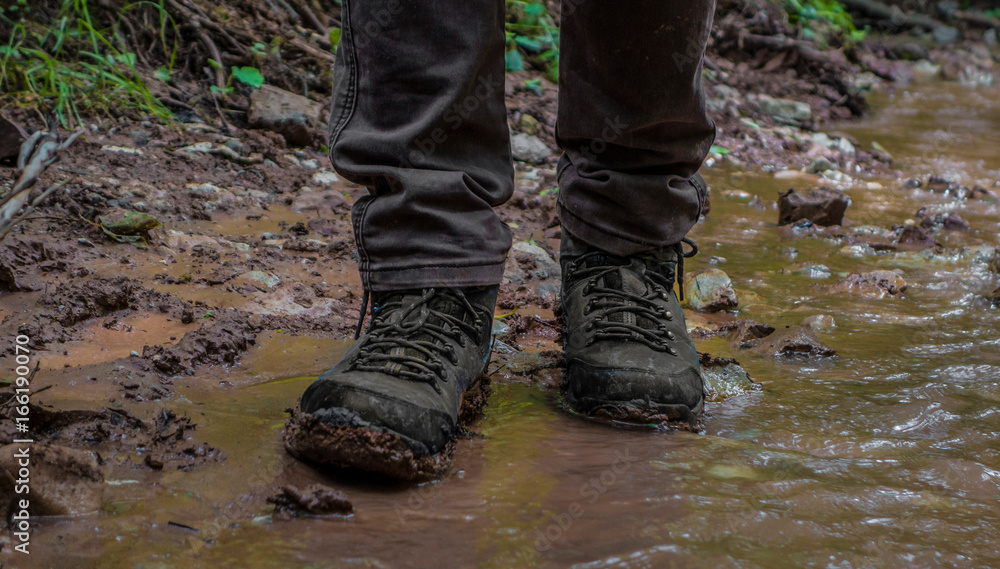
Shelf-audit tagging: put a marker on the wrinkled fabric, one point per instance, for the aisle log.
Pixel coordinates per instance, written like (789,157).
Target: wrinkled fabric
(418,118)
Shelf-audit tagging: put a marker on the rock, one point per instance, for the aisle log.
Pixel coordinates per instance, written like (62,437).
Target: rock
(532,266)
(946,35)
(794,341)
(925,70)
(64,481)
(994,263)
(821,206)
(915,238)
(820,322)
(944,220)
(990,38)
(818,166)
(710,291)
(121,150)
(994,298)
(978,192)
(316,500)
(785,111)
(305,245)
(874,284)
(258,279)
(11,138)
(910,51)
(811,270)
(880,153)
(725,378)
(292,116)
(529,125)
(845,147)
(528,148)
(325,178)
(747,331)
(321,201)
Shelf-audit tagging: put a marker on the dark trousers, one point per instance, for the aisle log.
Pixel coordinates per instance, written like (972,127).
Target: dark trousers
(418,118)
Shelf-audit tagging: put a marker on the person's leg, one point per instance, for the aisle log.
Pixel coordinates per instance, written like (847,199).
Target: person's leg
(632,121)
(418,118)
(634,131)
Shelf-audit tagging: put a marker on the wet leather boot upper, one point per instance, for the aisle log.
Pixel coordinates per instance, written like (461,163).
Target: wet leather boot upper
(407,373)
(626,345)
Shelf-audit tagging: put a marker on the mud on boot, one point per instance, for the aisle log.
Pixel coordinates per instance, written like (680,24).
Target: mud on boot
(628,354)
(395,402)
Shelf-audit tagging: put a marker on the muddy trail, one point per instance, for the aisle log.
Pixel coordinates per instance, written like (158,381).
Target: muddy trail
(866,437)
(846,300)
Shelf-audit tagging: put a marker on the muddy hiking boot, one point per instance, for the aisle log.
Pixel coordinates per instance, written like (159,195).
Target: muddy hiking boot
(394,403)
(628,356)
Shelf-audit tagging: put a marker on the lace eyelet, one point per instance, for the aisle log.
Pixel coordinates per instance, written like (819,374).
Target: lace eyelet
(670,335)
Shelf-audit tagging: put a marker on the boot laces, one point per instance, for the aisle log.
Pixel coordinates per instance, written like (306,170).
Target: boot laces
(605,301)
(411,341)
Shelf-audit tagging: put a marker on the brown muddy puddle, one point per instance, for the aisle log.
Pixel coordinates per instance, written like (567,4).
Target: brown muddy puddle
(887,456)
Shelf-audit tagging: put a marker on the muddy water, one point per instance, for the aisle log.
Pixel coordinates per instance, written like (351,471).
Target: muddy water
(887,456)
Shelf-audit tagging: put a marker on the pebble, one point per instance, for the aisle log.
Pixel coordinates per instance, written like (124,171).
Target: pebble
(820,322)
(710,291)
(122,150)
(528,148)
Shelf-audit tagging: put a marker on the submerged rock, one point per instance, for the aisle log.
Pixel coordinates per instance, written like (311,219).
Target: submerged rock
(794,341)
(747,331)
(874,284)
(915,238)
(710,291)
(821,206)
(725,378)
(820,322)
(64,481)
(994,298)
(316,500)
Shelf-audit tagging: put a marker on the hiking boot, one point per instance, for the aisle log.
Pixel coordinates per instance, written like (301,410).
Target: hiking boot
(393,404)
(627,350)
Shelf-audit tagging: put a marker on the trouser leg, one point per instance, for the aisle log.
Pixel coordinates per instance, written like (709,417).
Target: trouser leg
(418,117)
(632,121)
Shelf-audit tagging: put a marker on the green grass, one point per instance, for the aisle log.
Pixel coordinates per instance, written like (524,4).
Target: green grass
(71,67)
(532,38)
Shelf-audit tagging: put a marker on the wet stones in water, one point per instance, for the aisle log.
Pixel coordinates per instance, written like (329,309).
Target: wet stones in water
(316,500)
(710,291)
(820,322)
(915,238)
(746,332)
(876,284)
(994,298)
(821,206)
(994,263)
(725,378)
(792,342)
(811,270)
(945,220)
(64,481)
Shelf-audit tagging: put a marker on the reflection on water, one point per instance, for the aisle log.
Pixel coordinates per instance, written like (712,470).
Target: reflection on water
(887,456)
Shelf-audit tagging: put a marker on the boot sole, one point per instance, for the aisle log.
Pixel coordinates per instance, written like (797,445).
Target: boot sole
(637,412)
(383,451)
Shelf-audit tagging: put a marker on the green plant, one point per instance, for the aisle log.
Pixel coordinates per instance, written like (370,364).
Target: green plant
(821,18)
(533,36)
(70,65)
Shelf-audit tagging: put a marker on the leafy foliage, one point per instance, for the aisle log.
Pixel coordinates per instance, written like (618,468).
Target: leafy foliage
(821,19)
(71,66)
(532,38)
